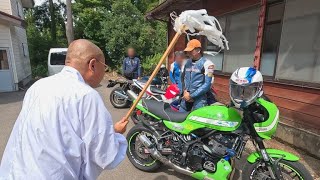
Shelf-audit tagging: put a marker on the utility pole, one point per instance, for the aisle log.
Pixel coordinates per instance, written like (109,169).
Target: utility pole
(69,25)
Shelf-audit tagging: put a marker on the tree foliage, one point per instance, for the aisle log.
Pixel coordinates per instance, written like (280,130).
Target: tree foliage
(116,25)
(39,35)
(111,24)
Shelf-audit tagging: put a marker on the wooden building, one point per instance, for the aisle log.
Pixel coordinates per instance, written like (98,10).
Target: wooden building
(287,54)
(15,68)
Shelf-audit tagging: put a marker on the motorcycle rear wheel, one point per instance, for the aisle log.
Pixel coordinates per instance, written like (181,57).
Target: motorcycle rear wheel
(290,171)
(136,152)
(116,101)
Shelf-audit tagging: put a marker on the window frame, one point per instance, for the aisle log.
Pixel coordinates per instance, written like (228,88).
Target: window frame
(227,26)
(269,79)
(8,60)
(18,9)
(276,2)
(58,54)
(273,79)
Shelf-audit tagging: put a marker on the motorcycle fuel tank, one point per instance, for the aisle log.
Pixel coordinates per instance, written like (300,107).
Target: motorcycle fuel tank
(220,118)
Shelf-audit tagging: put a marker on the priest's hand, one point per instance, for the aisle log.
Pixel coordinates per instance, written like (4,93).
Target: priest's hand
(121,126)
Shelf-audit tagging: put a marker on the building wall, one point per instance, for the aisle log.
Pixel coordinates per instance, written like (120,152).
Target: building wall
(16,8)
(5,42)
(16,39)
(5,6)
(299,104)
(21,53)
(4,36)
(218,7)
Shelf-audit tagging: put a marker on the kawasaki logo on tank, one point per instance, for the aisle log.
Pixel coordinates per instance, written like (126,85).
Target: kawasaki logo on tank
(222,123)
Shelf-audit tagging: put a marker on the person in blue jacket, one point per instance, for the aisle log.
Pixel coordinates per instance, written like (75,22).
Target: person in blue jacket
(197,78)
(131,68)
(176,69)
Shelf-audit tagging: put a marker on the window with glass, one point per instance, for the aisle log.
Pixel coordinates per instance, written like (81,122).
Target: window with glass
(299,51)
(271,37)
(211,49)
(241,34)
(58,58)
(4,62)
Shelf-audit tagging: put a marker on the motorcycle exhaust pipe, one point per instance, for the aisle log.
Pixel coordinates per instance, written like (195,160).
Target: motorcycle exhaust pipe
(121,95)
(132,95)
(157,155)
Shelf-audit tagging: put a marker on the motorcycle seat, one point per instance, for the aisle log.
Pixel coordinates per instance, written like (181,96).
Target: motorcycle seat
(164,111)
(156,90)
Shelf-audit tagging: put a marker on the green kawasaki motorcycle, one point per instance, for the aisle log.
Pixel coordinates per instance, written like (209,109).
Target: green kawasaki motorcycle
(205,142)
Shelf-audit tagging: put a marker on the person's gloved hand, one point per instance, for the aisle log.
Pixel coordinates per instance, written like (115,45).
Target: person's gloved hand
(121,126)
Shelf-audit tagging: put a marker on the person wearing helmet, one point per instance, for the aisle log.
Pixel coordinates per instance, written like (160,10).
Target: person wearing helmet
(176,69)
(245,86)
(197,78)
(163,72)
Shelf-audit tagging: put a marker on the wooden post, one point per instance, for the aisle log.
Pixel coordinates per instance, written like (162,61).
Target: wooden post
(163,58)
(261,24)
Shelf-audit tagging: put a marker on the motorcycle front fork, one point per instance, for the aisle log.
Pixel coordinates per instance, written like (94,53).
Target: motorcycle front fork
(272,165)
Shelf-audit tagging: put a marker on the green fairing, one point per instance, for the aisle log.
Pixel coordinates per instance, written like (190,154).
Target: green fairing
(223,170)
(219,118)
(274,153)
(267,128)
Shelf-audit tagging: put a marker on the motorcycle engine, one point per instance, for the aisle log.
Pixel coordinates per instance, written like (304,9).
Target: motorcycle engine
(198,159)
(220,143)
(205,155)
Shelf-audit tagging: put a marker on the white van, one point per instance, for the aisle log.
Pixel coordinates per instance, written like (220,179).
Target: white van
(56,59)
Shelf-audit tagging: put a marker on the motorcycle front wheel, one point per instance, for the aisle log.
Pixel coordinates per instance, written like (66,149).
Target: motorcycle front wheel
(137,154)
(116,100)
(290,171)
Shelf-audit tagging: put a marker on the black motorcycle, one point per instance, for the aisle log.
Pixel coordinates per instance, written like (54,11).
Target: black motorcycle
(119,97)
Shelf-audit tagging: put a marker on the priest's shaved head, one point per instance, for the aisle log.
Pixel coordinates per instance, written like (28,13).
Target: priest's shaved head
(88,59)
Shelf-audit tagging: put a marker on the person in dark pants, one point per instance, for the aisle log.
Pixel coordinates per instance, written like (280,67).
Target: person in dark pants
(131,68)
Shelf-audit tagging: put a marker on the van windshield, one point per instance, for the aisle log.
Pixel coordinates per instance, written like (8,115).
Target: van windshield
(58,58)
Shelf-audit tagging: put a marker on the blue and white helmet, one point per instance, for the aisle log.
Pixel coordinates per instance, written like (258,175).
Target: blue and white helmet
(245,86)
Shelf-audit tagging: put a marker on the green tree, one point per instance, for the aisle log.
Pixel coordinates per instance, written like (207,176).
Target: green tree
(125,26)
(39,33)
(145,5)
(112,25)
(88,15)
(116,25)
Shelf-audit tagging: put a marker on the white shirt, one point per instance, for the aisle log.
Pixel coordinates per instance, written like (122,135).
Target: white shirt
(63,131)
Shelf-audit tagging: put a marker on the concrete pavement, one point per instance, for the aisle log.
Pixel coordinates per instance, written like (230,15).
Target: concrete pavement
(10,105)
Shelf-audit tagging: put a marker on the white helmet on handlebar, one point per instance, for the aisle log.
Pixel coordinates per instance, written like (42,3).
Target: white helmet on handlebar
(245,86)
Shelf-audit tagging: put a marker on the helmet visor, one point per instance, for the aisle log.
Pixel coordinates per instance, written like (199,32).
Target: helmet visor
(244,92)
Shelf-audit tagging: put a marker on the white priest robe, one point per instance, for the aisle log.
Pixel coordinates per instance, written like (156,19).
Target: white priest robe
(63,131)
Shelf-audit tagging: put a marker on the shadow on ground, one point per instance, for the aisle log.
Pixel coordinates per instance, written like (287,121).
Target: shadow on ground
(11,97)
